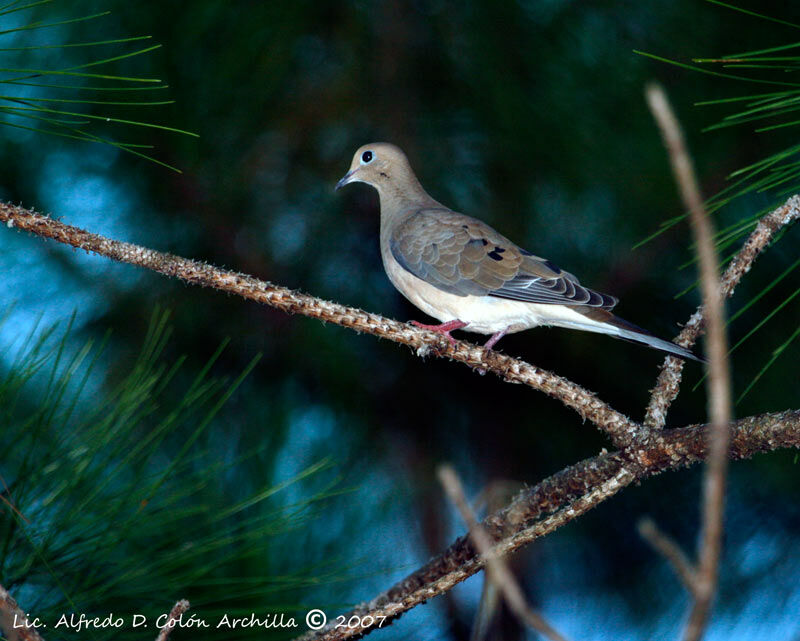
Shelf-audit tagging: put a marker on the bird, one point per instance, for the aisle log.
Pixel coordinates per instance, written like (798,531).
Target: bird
(460,271)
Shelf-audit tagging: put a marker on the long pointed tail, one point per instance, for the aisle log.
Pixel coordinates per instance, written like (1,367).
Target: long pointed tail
(629,331)
(605,322)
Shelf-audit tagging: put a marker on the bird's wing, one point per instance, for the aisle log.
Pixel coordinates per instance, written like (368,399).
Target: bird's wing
(463,256)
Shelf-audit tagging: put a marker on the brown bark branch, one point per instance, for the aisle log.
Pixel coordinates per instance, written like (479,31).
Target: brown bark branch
(617,426)
(719,377)
(174,615)
(563,497)
(669,379)
(497,570)
(14,623)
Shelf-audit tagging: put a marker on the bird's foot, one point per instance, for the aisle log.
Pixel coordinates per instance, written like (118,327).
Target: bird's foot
(491,343)
(444,328)
(494,338)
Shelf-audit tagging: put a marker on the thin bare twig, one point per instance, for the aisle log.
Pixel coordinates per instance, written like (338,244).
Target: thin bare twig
(719,383)
(14,623)
(174,615)
(560,499)
(9,502)
(619,428)
(669,379)
(496,568)
(671,551)
(493,497)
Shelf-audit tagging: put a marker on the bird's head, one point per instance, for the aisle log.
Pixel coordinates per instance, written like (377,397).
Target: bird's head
(379,164)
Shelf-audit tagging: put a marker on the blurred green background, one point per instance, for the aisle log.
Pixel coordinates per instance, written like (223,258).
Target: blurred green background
(529,115)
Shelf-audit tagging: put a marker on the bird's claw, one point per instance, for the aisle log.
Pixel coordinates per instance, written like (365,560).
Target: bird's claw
(444,328)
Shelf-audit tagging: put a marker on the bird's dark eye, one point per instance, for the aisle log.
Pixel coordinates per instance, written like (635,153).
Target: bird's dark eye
(366,157)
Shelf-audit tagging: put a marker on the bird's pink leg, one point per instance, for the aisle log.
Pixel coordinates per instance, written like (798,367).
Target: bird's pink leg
(444,328)
(495,337)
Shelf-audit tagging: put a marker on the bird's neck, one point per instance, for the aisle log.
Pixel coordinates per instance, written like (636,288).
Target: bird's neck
(401,198)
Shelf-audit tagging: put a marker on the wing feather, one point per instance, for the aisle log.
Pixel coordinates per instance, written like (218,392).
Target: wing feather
(463,256)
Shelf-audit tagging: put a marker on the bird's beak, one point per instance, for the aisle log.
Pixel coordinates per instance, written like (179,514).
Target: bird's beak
(345,179)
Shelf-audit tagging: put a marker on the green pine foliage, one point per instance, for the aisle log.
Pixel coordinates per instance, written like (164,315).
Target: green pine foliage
(71,89)
(114,502)
(773,178)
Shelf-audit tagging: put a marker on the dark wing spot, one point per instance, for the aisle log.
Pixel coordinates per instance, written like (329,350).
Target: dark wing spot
(552,266)
(499,250)
(464,226)
(494,255)
(476,241)
(484,241)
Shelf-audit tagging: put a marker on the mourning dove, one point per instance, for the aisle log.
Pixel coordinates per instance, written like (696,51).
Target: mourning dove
(462,272)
